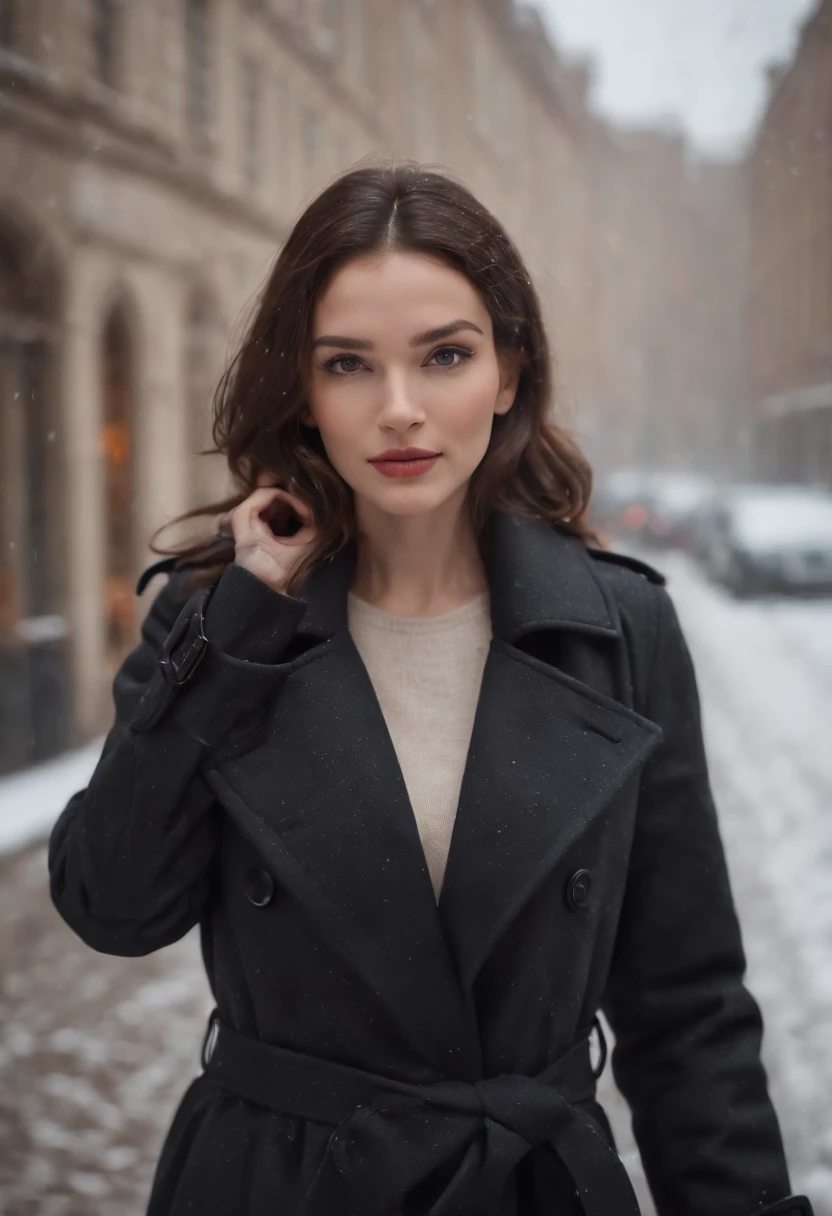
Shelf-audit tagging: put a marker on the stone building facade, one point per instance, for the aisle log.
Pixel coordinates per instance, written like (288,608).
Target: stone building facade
(717,432)
(790,279)
(642,218)
(669,375)
(152,158)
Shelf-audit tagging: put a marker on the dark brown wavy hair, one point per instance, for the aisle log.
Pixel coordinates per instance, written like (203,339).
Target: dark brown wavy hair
(531,467)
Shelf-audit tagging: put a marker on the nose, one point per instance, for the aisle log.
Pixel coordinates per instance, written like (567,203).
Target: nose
(400,409)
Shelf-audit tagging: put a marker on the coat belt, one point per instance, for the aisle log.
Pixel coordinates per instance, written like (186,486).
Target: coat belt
(450,1147)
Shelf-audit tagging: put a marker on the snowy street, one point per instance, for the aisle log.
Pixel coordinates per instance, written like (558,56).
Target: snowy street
(765,677)
(95,1051)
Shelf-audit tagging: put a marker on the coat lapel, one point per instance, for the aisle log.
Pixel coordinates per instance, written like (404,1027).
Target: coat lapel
(547,755)
(324,800)
(547,752)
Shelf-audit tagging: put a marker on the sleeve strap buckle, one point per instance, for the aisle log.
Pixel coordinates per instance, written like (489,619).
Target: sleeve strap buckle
(186,643)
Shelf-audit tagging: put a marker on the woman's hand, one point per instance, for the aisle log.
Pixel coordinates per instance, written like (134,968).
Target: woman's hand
(264,542)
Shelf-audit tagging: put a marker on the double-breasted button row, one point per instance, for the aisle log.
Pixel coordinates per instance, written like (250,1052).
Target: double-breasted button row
(258,887)
(579,889)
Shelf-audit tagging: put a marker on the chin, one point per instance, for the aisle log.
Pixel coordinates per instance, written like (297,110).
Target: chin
(410,500)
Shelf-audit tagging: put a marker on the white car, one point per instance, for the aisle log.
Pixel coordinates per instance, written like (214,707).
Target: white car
(770,538)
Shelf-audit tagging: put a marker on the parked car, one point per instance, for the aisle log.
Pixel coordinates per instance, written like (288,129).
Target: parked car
(760,538)
(621,504)
(654,509)
(675,501)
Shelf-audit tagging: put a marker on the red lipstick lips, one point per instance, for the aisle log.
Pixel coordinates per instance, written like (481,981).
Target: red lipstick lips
(405,462)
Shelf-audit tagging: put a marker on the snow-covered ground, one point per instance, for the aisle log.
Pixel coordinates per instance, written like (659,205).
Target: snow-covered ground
(31,800)
(95,1051)
(765,670)
(765,677)
(94,1054)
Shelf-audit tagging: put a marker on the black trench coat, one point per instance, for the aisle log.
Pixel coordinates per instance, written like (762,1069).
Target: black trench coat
(373,1053)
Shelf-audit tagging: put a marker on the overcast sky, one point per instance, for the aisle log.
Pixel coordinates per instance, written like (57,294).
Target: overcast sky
(698,61)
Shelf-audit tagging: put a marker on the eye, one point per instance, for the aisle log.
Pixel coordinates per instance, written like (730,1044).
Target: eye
(343,365)
(450,356)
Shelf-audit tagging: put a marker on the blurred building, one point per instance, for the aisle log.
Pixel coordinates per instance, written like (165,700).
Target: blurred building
(642,217)
(717,429)
(790,281)
(152,158)
(669,384)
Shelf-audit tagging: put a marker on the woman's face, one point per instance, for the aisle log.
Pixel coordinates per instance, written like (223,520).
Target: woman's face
(405,381)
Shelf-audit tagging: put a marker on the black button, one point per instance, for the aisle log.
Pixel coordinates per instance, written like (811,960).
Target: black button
(258,887)
(578,889)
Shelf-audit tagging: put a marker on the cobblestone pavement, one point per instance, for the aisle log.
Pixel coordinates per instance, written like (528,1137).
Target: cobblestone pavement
(95,1051)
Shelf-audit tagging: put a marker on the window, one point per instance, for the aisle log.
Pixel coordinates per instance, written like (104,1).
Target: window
(197,32)
(116,447)
(251,119)
(34,664)
(203,365)
(9,34)
(105,40)
(283,138)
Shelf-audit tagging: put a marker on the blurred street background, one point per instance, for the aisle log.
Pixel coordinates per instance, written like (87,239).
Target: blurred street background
(666,170)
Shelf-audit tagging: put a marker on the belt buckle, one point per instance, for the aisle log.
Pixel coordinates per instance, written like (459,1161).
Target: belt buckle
(209,1042)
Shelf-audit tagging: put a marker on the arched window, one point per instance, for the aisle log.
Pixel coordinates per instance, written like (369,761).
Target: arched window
(34,681)
(203,363)
(116,446)
(198,38)
(106,23)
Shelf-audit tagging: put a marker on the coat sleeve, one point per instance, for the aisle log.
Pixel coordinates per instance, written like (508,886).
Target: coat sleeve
(688,1032)
(130,857)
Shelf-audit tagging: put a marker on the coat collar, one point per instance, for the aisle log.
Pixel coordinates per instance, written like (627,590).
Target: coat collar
(539,578)
(547,755)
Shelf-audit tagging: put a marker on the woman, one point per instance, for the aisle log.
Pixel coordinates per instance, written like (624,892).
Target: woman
(426,770)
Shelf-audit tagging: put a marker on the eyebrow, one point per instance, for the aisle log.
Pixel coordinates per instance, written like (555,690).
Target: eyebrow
(432,335)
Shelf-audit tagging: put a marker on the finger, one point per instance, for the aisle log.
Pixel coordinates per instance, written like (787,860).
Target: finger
(251,507)
(264,495)
(281,510)
(252,516)
(245,516)
(303,512)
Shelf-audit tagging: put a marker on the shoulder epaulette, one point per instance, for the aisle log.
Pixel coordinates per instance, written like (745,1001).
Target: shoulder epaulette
(163,567)
(632,563)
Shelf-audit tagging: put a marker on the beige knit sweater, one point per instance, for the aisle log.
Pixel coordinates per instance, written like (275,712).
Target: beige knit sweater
(427,672)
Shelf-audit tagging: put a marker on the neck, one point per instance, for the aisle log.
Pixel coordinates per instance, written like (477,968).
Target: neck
(417,565)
